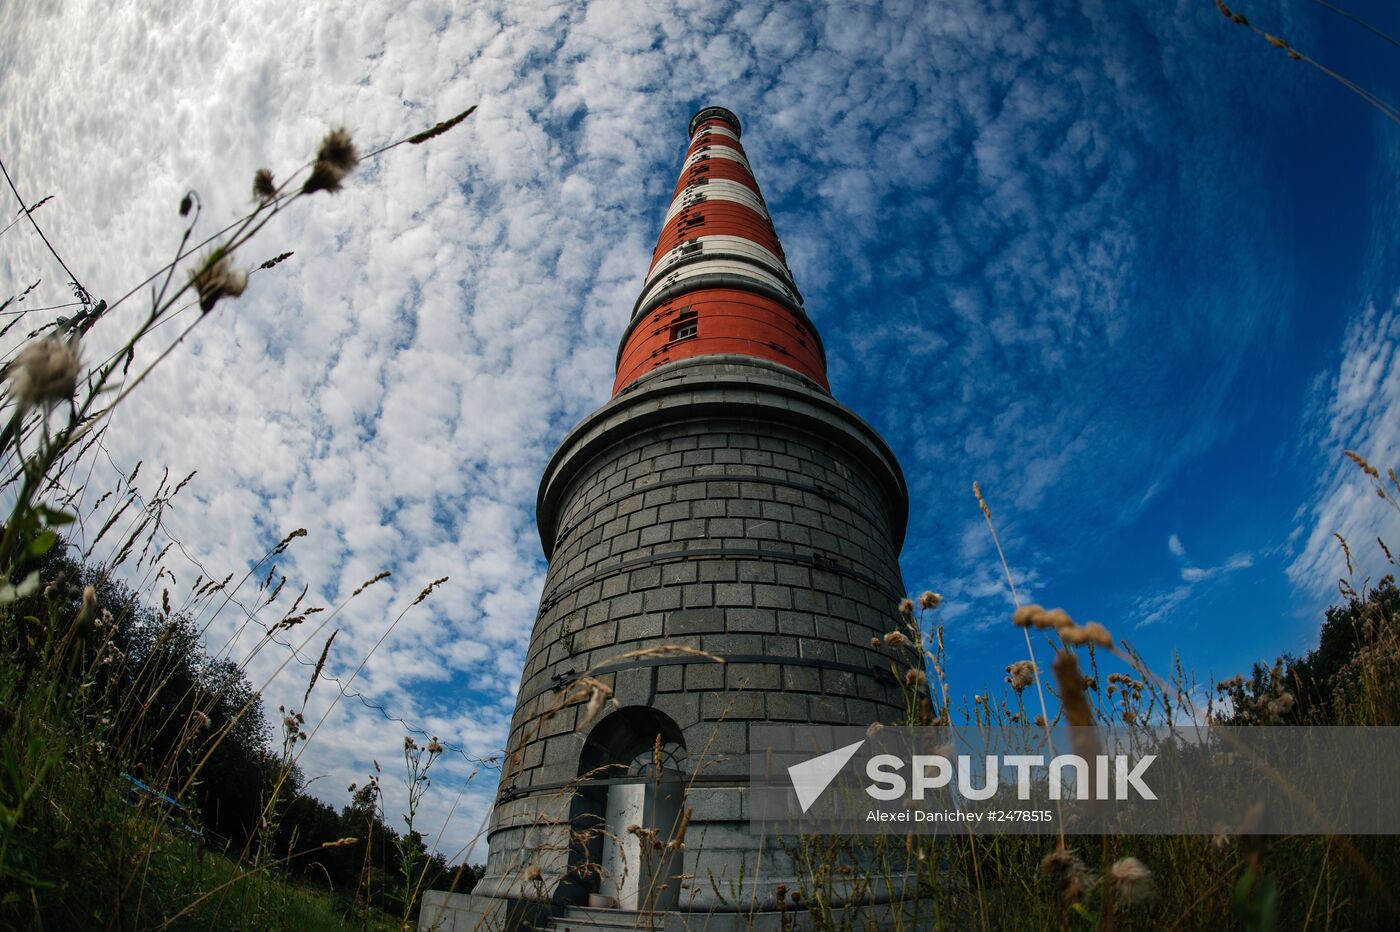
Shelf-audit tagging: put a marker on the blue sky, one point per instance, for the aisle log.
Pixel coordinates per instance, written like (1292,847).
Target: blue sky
(1125,264)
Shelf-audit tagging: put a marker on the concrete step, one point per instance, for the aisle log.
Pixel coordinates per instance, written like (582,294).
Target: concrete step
(592,919)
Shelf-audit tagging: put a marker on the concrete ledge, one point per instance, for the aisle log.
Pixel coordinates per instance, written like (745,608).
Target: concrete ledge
(718,387)
(459,912)
(441,911)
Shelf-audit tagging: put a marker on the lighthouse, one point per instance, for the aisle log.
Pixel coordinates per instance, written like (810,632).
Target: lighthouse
(723,539)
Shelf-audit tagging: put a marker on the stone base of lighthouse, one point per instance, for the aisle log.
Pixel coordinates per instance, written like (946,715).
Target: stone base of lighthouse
(719,509)
(456,912)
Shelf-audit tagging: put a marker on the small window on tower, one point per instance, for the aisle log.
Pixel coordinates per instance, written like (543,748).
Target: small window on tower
(685,327)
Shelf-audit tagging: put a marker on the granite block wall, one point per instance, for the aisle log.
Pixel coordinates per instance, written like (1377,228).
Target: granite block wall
(725,505)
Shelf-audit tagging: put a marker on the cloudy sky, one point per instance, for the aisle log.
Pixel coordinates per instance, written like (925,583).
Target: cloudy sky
(1123,263)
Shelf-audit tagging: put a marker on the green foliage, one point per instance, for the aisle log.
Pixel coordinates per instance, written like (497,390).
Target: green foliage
(1255,901)
(1350,678)
(84,700)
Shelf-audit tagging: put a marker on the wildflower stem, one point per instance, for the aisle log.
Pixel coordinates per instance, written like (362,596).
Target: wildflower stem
(1016,599)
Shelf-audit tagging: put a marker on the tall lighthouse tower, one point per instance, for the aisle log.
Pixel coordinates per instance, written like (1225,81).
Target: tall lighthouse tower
(721,506)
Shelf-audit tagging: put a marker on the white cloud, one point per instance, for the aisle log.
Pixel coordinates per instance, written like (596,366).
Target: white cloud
(1195,574)
(1153,608)
(1357,408)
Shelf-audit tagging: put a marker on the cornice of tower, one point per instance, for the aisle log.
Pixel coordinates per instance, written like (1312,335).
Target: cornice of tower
(728,116)
(730,386)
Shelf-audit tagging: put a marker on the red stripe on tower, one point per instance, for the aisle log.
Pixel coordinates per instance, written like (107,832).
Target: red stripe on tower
(719,282)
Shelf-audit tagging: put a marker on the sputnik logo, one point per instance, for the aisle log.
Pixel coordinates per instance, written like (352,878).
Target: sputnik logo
(811,777)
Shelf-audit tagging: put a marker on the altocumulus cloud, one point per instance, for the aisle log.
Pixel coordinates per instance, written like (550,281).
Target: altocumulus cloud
(967,192)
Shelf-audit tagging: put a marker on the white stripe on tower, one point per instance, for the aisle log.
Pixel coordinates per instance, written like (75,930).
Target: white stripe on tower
(720,189)
(733,267)
(718,152)
(717,130)
(732,247)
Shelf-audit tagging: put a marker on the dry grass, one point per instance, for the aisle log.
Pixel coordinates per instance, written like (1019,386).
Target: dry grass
(79,847)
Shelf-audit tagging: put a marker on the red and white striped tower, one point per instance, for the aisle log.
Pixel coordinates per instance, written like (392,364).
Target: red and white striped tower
(721,506)
(719,282)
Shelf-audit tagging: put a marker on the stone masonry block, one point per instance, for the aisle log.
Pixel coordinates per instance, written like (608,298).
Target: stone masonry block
(704,676)
(662,600)
(752,676)
(732,706)
(718,571)
(655,534)
(635,686)
(736,594)
(772,596)
(624,605)
(828,710)
(640,627)
(801,679)
(700,595)
(791,707)
(749,620)
(670,679)
(755,572)
(675,573)
(695,621)
(780,645)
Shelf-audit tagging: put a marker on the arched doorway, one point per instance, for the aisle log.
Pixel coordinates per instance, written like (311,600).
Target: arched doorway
(628,814)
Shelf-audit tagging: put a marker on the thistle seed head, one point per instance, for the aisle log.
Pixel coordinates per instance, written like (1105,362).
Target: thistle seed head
(1020,675)
(264,189)
(45,373)
(334,160)
(1132,882)
(1098,634)
(217,278)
